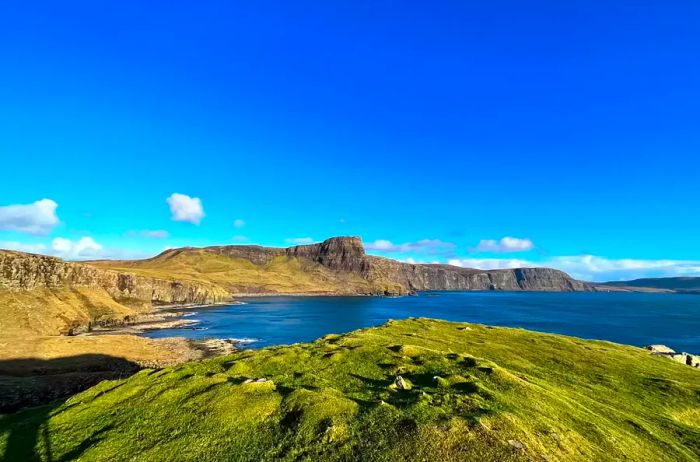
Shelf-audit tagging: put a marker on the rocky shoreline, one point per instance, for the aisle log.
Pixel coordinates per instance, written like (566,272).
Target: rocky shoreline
(170,317)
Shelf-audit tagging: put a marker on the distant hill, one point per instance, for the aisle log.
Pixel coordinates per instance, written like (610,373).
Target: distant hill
(679,284)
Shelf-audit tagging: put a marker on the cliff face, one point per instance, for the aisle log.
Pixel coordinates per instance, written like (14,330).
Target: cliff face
(447,277)
(21,272)
(347,254)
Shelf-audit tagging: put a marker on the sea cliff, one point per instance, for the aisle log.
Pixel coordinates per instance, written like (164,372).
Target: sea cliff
(70,294)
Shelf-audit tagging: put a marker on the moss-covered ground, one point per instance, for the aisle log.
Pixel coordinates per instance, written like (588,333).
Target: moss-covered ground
(473,393)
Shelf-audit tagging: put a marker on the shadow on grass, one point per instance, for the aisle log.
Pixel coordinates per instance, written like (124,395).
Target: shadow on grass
(373,384)
(44,385)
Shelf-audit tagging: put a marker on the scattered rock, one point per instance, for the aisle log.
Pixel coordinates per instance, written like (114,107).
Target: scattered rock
(683,358)
(517,444)
(401,384)
(659,349)
(692,360)
(217,346)
(260,380)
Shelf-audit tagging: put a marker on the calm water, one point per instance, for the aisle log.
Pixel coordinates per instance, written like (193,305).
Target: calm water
(631,318)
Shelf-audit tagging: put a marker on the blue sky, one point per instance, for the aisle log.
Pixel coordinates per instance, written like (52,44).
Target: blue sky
(432,131)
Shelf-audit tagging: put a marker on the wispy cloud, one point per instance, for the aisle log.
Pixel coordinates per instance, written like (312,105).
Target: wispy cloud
(85,248)
(185,208)
(38,218)
(504,245)
(23,247)
(603,269)
(149,233)
(424,246)
(299,240)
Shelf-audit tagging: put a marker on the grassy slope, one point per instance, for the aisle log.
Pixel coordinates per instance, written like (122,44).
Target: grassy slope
(282,274)
(53,311)
(565,398)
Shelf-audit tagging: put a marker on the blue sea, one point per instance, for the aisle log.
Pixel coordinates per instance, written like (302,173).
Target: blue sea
(632,318)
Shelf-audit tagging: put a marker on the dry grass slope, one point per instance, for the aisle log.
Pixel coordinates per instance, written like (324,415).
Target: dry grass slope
(239,275)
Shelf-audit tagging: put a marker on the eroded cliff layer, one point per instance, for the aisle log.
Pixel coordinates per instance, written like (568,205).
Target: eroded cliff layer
(41,295)
(21,271)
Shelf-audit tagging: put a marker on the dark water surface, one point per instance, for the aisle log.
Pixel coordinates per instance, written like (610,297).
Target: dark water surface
(632,318)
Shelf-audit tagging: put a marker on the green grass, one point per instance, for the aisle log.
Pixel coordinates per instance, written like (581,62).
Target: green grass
(472,389)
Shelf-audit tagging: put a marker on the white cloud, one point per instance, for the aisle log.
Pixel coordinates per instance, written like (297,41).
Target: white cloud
(504,245)
(591,267)
(299,240)
(238,223)
(38,218)
(490,263)
(22,247)
(85,247)
(149,233)
(185,208)
(425,246)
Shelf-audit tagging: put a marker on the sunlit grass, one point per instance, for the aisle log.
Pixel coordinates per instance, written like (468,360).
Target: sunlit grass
(476,393)
(281,274)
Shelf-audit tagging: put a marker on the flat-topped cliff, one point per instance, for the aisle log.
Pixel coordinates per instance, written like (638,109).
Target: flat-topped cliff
(447,277)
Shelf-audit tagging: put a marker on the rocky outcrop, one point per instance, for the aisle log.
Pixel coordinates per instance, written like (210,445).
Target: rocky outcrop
(346,254)
(21,271)
(684,358)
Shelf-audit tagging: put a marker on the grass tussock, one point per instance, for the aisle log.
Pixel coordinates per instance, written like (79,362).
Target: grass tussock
(486,394)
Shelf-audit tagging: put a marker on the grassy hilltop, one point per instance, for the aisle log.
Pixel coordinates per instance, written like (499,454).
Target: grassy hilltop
(280,274)
(471,393)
